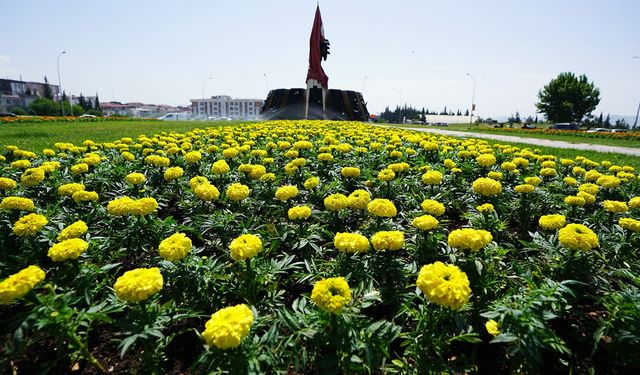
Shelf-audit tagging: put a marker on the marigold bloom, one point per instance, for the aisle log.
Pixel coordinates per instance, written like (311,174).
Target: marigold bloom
(485,208)
(85,196)
(20,283)
(193,157)
(432,178)
(245,246)
(634,202)
(388,240)
(207,192)
(17,203)
(486,186)
(469,239)
(286,192)
(492,327)
(592,189)
(67,190)
(524,189)
(382,208)
(336,202)
(173,173)
(486,160)
(548,172)
(351,172)
(32,177)
(144,206)
(175,247)
(445,285)
(425,222)
(120,206)
(67,249)
(573,200)
(268,177)
(311,183)
(578,237)
(386,175)
(552,222)
(7,184)
(299,213)
(80,168)
(629,224)
(359,199)
(230,153)
(29,225)
(220,167)
(237,192)
(74,230)
(509,166)
(20,164)
(135,178)
(138,284)
(535,181)
(608,182)
(570,181)
(350,242)
(228,326)
(197,181)
(432,207)
(615,206)
(331,294)
(588,198)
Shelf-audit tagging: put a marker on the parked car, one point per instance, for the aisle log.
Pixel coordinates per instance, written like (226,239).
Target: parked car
(619,130)
(7,114)
(565,126)
(87,116)
(529,126)
(598,130)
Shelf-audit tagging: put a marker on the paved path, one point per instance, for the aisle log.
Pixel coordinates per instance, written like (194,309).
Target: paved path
(533,141)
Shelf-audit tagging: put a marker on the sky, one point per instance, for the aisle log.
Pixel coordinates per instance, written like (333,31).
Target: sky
(405,51)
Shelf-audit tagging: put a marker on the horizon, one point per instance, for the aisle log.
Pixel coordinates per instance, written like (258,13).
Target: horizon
(163,52)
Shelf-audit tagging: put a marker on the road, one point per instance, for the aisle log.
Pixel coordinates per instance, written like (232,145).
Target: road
(533,141)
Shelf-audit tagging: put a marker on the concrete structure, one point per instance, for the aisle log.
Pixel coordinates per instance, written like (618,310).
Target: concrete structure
(21,93)
(225,106)
(447,119)
(139,110)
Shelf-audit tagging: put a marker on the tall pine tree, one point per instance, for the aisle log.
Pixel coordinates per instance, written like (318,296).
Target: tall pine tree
(46,91)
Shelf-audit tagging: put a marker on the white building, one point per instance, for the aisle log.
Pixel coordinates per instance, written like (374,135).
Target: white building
(224,106)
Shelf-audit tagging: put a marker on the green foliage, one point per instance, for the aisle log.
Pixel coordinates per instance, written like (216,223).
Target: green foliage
(568,98)
(44,107)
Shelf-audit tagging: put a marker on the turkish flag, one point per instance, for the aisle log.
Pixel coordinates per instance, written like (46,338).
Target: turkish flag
(315,42)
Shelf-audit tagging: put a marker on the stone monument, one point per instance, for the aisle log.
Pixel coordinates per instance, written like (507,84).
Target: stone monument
(317,101)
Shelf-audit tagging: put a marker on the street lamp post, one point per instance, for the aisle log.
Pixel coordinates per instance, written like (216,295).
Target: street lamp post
(473,99)
(400,107)
(203,82)
(60,84)
(635,123)
(364,79)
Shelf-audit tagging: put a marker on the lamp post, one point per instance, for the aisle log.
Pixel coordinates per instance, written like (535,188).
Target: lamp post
(60,84)
(635,123)
(400,108)
(364,79)
(473,99)
(203,83)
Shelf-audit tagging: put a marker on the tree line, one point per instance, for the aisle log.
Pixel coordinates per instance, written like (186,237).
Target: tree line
(411,113)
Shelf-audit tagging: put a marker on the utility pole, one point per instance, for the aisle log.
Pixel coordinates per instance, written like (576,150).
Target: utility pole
(60,84)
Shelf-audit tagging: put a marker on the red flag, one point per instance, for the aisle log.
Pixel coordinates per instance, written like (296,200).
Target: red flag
(317,38)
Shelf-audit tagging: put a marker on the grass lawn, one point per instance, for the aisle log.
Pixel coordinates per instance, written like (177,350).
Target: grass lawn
(578,138)
(36,136)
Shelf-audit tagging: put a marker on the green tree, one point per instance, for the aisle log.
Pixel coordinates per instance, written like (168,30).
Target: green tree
(44,107)
(568,98)
(46,91)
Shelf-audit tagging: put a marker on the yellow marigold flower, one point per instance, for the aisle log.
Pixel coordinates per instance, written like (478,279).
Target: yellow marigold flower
(552,222)
(444,284)
(589,188)
(85,196)
(492,326)
(432,207)
(175,247)
(126,155)
(592,175)
(566,162)
(578,237)
(230,153)
(325,156)
(135,178)
(485,208)
(237,192)
(535,181)
(80,168)
(399,167)
(74,230)
(197,181)
(549,164)
(32,176)
(570,181)
(193,157)
(207,192)
(396,154)
(486,186)
(388,240)
(228,326)
(48,152)
(469,239)
(573,200)
(432,178)
(331,294)
(290,169)
(67,249)
(299,213)
(382,208)
(20,283)
(67,190)
(629,224)
(634,202)
(359,199)
(7,184)
(311,183)
(448,163)
(608,182)
(144,206)
(286,192)
(120,206)
(578,171)
(351,242)
(425,222)
(486,160)
(220,167)
(245,246)
(350,172)
(173,173)
(138,284)
(20,164)
(257,171)
(17,203)
(588,198)
(336,202)
(268,177)
(492,175)
(548,172)
(524,189)
(386,175)
(29,225)
(615,206)
(509,166)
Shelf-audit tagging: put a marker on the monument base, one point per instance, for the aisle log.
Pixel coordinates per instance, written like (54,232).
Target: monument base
(314,104)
